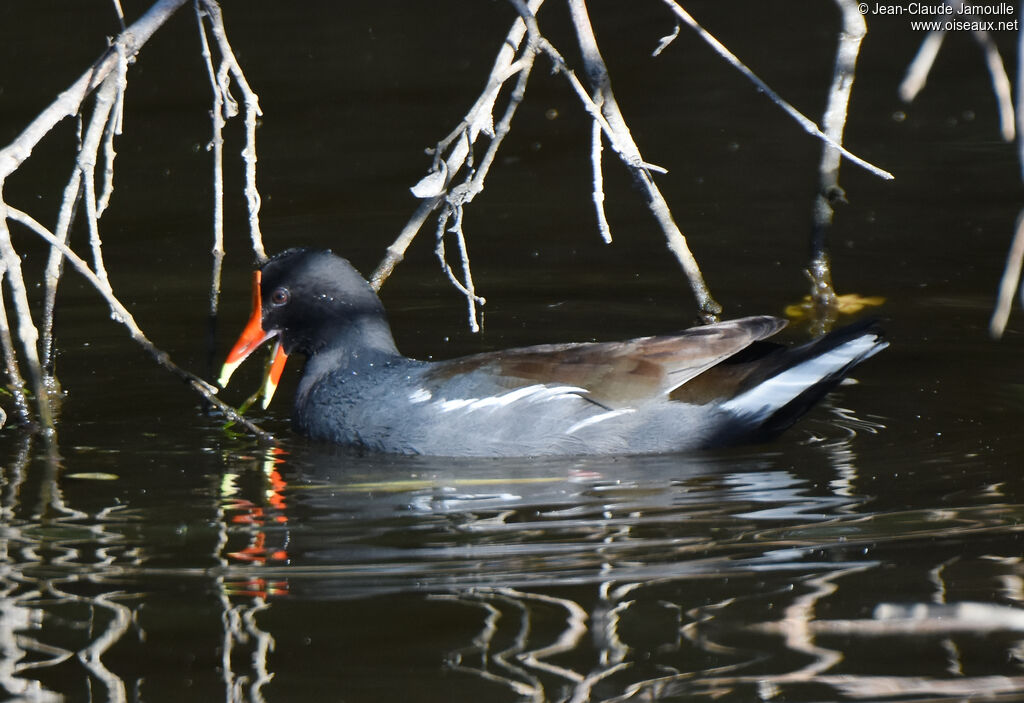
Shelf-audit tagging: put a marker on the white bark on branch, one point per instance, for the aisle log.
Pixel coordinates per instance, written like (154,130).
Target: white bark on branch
(829,193)
(28,333)
(121,314)
(1000,84)
(17,382)
(919,68)
(114,126)
(598,192)
(69,103)
(108,74)
(1010,281)
(224,106)
(434,188)
(607,106)
(808,125)
(229,65)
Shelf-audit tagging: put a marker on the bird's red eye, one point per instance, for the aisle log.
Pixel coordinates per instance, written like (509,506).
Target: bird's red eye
(280,296)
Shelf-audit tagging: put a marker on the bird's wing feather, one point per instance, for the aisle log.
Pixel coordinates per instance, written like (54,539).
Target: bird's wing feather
(620,374)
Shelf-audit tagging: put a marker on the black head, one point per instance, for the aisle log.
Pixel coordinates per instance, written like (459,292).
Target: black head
(315,299)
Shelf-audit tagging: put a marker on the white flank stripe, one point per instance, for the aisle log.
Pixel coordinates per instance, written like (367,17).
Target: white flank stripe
(420,395)
(601,417)
(446,406)
(530,394)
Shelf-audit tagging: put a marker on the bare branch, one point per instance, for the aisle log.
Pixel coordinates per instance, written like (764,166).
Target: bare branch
(1020,98)
(28,333)
(106,121)
(805,122)
(598,194)
(87,156)
(396,251)
(665,41)
(120,13)
(1000,83)
(11,356)
(853,31)
(1010,281)
(466,287)
(921,66)
(474,183)
(433,189)
(604,109)
(70,101)
(252,112)
(121,314)
(55,265)
(220,93)
(113,128)
(14,154)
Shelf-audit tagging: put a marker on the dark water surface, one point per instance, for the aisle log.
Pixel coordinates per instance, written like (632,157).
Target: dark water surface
(871,554)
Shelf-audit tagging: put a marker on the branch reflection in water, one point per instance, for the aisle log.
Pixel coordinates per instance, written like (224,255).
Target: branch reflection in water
(742,574)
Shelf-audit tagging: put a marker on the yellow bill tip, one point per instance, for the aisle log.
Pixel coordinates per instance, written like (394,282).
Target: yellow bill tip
(226,371)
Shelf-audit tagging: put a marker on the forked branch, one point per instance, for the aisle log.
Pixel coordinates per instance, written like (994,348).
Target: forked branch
(92,187)
(121,314)
(602,102)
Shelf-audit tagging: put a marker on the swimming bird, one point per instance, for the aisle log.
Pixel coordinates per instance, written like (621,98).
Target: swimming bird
(708,386)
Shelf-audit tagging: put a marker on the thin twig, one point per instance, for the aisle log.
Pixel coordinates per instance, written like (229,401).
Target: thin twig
(14,154)
(919,68)
(28,333)
(474,185)
(55,266)
(834,122)
(598,193)
(1020,95)
(17,382)
(396,251)
(70,101)
(105,121)
(805,122)
(224,108)
(613,125)
(220,94)
(114,127)
(121,314)
(466,287)
(252,113)
(432,190)
(665,41)
(1009,282)
(462,194)
(87,155)
(1000,83)
(119,12)
(109,75)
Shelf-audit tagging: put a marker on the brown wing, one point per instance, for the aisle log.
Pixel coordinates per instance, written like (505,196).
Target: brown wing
(621,373)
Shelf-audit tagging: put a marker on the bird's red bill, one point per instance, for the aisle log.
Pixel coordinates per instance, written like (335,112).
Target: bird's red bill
(253,336)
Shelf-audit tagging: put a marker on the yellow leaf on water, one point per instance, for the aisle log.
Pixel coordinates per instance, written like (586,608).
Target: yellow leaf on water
(845,305)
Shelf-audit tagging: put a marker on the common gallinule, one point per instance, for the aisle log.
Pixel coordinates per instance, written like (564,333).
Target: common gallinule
(704,387)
